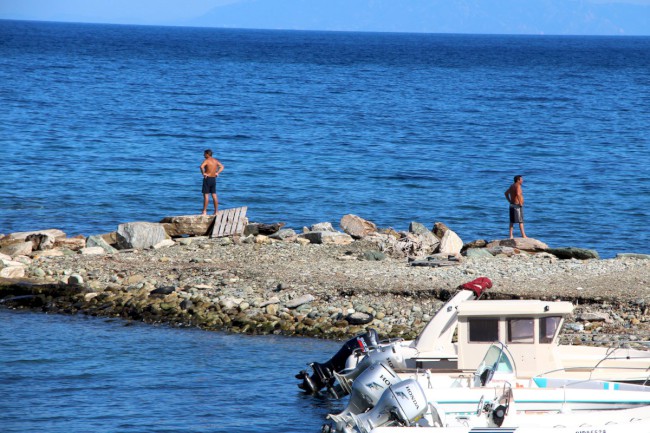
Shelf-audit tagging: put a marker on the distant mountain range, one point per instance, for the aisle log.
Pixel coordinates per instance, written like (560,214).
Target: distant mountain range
(561,17)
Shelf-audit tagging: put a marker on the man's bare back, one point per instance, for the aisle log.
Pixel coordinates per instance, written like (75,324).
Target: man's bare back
(210,166)
(515,195)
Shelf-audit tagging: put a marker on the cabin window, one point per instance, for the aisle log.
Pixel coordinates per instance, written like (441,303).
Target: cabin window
(483,330)
(548,327)
(521,330)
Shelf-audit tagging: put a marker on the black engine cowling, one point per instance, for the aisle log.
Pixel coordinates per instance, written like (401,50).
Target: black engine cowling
(323,373)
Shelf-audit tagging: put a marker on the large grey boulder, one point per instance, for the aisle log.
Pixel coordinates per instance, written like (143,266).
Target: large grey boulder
(17,249)
(187,225)
(523,244)
(357,227)
(574,253)
(478,253)
(99,241)
(322,227)
(328,237)
(284,234)
(429,242)
(139,235)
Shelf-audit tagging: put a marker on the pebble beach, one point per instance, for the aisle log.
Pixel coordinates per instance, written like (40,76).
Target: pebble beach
(259,284)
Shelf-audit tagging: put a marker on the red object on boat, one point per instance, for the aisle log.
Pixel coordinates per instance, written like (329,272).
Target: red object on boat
(478,286)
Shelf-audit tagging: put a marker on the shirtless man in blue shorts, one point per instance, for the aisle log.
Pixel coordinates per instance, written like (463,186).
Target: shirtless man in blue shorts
(515,197)
(210,169)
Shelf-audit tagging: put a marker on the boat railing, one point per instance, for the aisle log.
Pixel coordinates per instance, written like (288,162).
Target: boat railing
(643,378)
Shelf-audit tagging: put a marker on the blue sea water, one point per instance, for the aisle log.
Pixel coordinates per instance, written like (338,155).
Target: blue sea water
(105,124)
(73,374)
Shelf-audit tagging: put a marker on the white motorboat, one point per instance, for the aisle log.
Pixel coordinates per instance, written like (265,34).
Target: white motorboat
(531,328)
(360,352)
(439,400)
(501,415)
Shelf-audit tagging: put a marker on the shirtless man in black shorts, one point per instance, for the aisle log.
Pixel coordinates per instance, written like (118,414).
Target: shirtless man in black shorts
(515,197)
(210,169)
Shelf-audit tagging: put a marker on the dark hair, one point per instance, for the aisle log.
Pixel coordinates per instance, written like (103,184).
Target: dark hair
(208,151)
(517,177)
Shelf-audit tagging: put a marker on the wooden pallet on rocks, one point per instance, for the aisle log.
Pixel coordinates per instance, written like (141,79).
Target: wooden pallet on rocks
(229,222)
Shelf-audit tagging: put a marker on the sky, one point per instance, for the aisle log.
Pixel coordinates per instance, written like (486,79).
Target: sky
(238,13)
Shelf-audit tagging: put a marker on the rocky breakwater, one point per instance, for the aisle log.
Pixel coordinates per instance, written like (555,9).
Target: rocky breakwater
(317,281)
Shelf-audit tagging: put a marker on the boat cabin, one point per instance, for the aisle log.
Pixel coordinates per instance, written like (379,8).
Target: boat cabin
(530,329)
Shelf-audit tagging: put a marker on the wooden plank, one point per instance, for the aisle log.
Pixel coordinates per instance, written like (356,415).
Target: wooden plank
(229,222)
(239,229)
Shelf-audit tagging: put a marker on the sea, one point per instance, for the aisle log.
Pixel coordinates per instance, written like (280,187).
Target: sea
(106,124)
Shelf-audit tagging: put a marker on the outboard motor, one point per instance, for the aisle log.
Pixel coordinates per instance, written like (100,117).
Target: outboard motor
(401,404)
(388,354)
(323,374)
(367,389)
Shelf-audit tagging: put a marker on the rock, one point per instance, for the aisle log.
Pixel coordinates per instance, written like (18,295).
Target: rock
(73,244)
(262,240)
(100,241)
(373,255)
(41,241)
(186,225)
(165,243)
(573,253)
(139,235)
(25,260)
(359,318)
(38,272)
(418,229)
(89,251)
(5,256)
(89,296)
(328,237)
(17,249)
(22,236)
(262,229)
(522,244)
(50,253)
(439,229)
(357,227)
(165,290)
(303,241)
(429,242)
(273,300)
(12,272)
(186,304)
(577,327)
(8,262)
(501,250)
(450,244)
(595,317)
(322,227)
(75,280)
(479,243)
(478,253)
(633,256)
(284,234)
(301,300)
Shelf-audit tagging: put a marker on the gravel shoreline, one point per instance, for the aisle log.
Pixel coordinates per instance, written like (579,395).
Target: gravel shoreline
(325,291)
